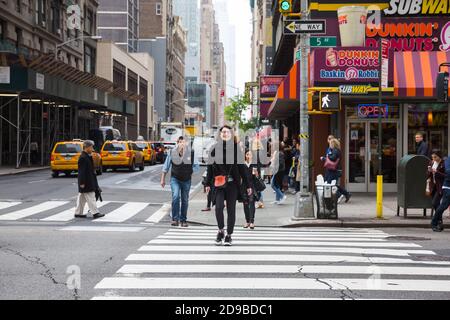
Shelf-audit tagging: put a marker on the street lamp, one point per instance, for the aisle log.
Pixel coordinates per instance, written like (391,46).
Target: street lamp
(59,45)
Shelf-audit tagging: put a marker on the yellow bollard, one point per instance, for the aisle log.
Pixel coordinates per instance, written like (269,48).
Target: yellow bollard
(380,197)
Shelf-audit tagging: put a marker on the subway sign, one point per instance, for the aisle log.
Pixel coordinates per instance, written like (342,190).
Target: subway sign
(356,89)
(418,7)
(371,111)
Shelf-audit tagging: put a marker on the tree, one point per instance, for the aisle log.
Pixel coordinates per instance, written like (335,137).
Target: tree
(234,113)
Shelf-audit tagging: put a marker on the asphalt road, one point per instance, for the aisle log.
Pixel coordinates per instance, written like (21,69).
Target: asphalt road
(132,258)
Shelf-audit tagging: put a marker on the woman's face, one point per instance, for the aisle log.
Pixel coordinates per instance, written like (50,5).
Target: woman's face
(248,156)
(225,134)
(435,158)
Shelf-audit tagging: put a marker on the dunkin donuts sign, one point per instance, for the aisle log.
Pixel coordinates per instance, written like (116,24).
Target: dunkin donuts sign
(347,65)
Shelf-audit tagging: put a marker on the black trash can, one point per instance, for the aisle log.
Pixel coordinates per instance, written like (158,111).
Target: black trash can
(412,183)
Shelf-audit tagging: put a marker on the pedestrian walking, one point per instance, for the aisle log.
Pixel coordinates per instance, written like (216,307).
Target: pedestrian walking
(436,177)
(182,163)
(88,188)
(253,172)
(278,166)
(437,224)
(261,162)
(422,148)
(332,168)
(34,149)
(209,193)
(226,172)
(297,168)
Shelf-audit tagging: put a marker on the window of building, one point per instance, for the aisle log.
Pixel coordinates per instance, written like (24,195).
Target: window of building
(19,37)
(41,44)
(119,71)
(2,30)
(89,59)
(89,22)
(159,9)
(19,6)
(132,81)
(55,17)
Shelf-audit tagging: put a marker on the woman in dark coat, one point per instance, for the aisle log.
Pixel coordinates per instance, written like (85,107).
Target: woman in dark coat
(227,160)
(436,176)
(335,155)
(253,170)
(278,167)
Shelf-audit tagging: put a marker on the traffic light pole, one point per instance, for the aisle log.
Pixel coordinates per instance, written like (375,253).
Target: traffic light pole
(304,203)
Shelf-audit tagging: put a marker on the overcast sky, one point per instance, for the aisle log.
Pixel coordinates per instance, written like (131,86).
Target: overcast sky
(239,13)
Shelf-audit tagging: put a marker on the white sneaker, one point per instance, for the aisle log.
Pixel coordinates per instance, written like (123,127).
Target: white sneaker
(341,198)
(275,202)
(283,200)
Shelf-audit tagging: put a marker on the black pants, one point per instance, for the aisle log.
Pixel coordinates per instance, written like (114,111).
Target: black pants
(210,195)
(437,218)
(436,199)
(230,195)
(334,175)
(249,209)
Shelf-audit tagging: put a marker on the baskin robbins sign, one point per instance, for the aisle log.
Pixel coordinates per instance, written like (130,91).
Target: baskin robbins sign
(351,65)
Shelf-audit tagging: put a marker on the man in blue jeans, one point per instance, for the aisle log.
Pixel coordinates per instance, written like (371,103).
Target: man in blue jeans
(182,164)
(437,224)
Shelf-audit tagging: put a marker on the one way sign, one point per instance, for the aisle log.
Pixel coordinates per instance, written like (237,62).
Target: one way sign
(293,27)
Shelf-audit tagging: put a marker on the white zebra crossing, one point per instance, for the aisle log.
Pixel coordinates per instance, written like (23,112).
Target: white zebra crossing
(30,211)
(269,260)
(124,213)
(68,215)
(6,205)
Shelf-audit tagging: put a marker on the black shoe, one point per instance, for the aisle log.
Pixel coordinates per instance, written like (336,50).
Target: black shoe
(220,236)
(441,225)
(228,241)
(436,229)
(175,224)
(184,225)
(347,198)
(98,215)
(81,216)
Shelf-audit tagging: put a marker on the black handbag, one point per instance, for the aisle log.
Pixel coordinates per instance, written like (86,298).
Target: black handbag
(260,186)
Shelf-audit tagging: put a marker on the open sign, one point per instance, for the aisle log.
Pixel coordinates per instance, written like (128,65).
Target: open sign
(369,111)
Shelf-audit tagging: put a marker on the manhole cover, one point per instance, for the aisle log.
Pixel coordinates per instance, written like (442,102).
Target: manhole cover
(406,238)
(431,258)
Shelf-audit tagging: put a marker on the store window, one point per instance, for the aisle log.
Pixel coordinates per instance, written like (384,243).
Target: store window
(430,119)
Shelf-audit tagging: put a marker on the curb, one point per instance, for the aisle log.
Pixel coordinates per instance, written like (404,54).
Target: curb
(14,173)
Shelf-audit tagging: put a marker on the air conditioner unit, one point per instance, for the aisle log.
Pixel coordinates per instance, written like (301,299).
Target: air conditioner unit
(58,31)
(44,24)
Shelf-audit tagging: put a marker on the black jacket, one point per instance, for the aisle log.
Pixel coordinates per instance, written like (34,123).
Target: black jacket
(335,155)
(422,149)
(86,174)
(218,166)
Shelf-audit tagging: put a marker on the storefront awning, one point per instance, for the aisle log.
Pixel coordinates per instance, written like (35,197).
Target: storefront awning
(415,73)
(288,95)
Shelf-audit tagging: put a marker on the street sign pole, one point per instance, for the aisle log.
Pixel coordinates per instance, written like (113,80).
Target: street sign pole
(304,202)
(380,139)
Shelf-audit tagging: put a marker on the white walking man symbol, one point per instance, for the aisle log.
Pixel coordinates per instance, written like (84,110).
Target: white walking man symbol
(325,102)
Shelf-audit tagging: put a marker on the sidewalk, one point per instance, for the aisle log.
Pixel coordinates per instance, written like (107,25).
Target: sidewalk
(6,171)
(360,212)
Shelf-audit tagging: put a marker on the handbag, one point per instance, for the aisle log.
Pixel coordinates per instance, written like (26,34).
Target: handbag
(260,185)
(428,188)
(331,165)
(220,182)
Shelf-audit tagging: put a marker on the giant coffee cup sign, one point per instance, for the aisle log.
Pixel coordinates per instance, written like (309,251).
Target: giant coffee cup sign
(352,25)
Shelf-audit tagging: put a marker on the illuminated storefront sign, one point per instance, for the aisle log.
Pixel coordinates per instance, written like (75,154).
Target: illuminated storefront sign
(346,89)
(370,111)
(418,7)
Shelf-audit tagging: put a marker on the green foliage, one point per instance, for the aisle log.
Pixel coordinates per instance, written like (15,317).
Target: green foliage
(234,113)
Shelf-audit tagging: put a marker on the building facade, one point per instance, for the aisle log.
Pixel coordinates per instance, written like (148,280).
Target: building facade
(179,53)
(118,21)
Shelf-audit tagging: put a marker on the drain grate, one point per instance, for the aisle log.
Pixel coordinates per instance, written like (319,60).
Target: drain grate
(406,238)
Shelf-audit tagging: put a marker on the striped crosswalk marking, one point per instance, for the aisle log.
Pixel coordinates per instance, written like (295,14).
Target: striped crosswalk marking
(6,205)
(30,211)
(125,212)
(68,215)
(275,263)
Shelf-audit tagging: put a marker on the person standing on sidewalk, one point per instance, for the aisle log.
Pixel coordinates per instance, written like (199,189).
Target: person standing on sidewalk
(436,177)
(88,187)
(278,166)
(421,145)
(333,172)
(182,163)
(226,172)
(437,224)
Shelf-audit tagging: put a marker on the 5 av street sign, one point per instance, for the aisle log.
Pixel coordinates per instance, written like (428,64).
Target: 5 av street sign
(294,27)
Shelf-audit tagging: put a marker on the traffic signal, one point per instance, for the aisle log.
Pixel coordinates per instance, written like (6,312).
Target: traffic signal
(442,87)
(285,6)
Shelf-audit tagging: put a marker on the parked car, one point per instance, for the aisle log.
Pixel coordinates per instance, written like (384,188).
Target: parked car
(65,155)
(122,154)
(161,152)
(149,152)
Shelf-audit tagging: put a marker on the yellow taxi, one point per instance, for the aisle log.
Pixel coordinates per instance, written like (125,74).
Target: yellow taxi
(149,152)
(65,155)
(122,154)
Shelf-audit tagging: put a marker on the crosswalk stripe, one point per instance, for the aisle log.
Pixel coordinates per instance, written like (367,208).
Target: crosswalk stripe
(275,257)
(291,243)
(211,298)
(68,215)
(275,284)
(125,212)
(280,234)
(268,237)
(24,213)
(282,269)
(158,215)
(386,252)
(306,229)
(6,205)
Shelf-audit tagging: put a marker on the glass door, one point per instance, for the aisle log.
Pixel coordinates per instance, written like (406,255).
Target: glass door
(357,156)
(390,155)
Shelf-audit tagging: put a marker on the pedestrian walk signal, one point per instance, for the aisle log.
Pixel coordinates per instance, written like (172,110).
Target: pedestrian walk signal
(285,6)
